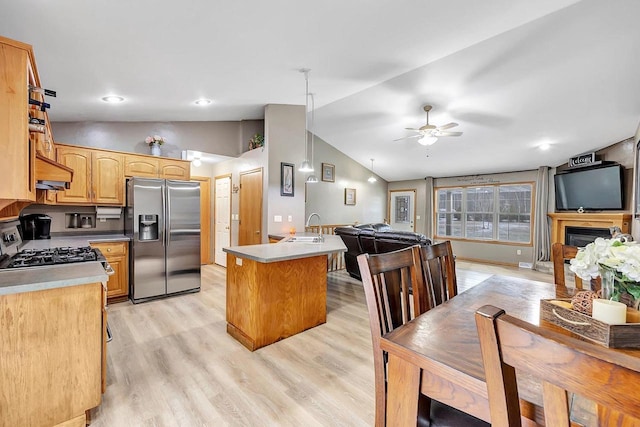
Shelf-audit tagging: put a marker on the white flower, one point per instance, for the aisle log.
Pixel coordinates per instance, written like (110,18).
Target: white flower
(622,257)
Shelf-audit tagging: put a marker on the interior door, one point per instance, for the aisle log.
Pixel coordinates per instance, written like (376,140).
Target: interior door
(222,220)
(402,209)
(250,227)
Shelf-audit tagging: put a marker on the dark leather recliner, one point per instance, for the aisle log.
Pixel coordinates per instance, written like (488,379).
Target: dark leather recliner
(374,239)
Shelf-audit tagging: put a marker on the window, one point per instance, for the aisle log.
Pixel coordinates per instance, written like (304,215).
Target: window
(488,212)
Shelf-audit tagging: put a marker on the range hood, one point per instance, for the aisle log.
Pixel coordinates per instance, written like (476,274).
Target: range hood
(52,175)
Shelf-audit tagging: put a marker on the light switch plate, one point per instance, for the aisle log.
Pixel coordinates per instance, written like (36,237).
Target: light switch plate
(277,218)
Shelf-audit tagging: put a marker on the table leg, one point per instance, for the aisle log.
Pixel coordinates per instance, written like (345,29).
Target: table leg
(403,391)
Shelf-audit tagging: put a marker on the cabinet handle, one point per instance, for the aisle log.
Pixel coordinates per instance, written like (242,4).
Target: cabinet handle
(108,249)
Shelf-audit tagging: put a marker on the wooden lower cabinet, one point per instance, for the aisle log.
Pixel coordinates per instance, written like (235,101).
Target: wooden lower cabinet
(51,351)
(117,254)
(267,302)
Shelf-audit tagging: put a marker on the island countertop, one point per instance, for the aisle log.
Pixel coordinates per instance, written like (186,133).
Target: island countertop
(286,250)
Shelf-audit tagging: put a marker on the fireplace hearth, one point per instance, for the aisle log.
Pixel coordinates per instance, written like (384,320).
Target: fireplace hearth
(582,236)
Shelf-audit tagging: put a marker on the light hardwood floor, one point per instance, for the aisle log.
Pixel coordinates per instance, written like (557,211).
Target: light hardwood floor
(171,362)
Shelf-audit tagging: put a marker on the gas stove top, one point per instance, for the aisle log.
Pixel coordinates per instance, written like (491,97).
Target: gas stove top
(63,255)
(12,257)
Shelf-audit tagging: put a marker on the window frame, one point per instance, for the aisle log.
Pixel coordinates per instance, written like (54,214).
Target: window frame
(496,214)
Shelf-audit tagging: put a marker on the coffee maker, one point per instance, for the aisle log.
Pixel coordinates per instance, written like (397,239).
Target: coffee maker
(36,226)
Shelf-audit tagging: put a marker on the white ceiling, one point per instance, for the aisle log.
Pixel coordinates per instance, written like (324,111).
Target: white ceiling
(512,73)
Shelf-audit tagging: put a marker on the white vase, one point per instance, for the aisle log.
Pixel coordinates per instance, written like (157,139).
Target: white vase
(155,150)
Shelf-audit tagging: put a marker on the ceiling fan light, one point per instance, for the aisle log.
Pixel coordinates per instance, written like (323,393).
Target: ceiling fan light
(306,167)
(312,179)
(427,140)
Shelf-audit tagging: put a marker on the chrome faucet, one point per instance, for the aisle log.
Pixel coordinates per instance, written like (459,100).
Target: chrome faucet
(319,225)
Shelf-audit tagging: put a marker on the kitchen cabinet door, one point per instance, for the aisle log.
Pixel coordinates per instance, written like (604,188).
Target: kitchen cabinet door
(175,169)
(117,256)
(18,151)
(107,178)
(141,166)
(78,159)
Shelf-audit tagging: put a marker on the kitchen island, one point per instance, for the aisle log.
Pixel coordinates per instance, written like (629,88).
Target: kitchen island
(277,290)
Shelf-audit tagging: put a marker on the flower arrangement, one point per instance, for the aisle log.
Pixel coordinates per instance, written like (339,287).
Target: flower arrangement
(155,139)
(256,141)
(622,258)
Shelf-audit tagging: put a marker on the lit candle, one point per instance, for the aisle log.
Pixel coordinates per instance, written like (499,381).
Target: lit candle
(611,312)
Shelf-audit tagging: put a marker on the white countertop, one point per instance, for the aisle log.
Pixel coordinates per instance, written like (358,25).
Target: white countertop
(13,281)
(284,250)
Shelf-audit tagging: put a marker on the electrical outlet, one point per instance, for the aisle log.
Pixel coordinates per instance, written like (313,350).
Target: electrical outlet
(290,218)
(519,252)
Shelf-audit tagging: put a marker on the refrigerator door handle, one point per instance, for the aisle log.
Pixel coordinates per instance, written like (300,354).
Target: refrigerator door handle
(165,212)
(167,215)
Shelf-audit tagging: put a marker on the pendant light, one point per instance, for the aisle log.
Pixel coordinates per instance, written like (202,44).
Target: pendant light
(372,178)
(312,179)
(306,166)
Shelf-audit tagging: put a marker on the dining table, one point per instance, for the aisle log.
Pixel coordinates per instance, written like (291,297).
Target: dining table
(437,354)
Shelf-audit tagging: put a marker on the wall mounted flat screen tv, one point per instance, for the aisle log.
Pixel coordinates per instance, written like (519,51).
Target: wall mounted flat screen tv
(590,189)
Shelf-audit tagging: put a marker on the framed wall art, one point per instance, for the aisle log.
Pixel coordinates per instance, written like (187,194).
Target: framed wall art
(349,196)
(328,172)
(287,179)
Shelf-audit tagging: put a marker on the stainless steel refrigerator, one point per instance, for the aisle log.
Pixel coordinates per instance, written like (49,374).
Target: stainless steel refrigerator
(163,222)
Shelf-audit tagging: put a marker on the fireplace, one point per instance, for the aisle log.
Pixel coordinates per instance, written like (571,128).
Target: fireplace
(582,236)
(560,221)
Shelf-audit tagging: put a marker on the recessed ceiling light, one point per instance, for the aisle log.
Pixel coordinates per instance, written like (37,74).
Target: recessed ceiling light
(113,99)
(202,101)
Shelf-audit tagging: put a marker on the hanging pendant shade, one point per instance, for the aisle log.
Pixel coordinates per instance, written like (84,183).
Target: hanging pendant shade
(306,166)
(372,178)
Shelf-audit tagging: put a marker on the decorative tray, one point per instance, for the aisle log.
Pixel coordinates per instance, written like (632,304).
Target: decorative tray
(615,336)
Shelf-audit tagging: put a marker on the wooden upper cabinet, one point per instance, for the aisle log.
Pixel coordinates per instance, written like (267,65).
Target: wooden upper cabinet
(141,166)
(78,159)
(107,178)
(97,176)
(156,167)
(18,153)
(175,169)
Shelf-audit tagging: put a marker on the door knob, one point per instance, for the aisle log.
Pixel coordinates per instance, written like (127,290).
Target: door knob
(257,232)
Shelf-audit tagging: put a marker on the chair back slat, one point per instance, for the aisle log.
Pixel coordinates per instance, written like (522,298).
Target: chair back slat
(439,271)
(562,363)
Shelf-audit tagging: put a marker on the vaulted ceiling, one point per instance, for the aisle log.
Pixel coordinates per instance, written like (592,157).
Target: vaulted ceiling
(513,74)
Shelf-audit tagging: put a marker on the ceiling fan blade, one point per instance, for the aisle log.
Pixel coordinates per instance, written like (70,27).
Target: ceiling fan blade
(427,127)
(448,133)
(407,137)
(447,126)
(414,129)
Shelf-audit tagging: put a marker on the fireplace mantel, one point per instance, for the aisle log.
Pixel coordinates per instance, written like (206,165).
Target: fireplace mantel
(561,220)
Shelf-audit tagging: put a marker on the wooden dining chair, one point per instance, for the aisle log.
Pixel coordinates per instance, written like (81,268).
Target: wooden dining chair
(559,254)
(439,272)
(561,363)
(386,279)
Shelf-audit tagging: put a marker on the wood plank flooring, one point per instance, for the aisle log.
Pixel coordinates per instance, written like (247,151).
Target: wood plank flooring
(171,362)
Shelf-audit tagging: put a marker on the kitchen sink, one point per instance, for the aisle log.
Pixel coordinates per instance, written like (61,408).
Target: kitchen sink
(305,239)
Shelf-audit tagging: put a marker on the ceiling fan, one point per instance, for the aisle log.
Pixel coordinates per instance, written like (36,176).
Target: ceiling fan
(429,134)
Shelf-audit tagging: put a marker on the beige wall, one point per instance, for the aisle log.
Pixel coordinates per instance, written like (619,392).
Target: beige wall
(224,138)
(327,198)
